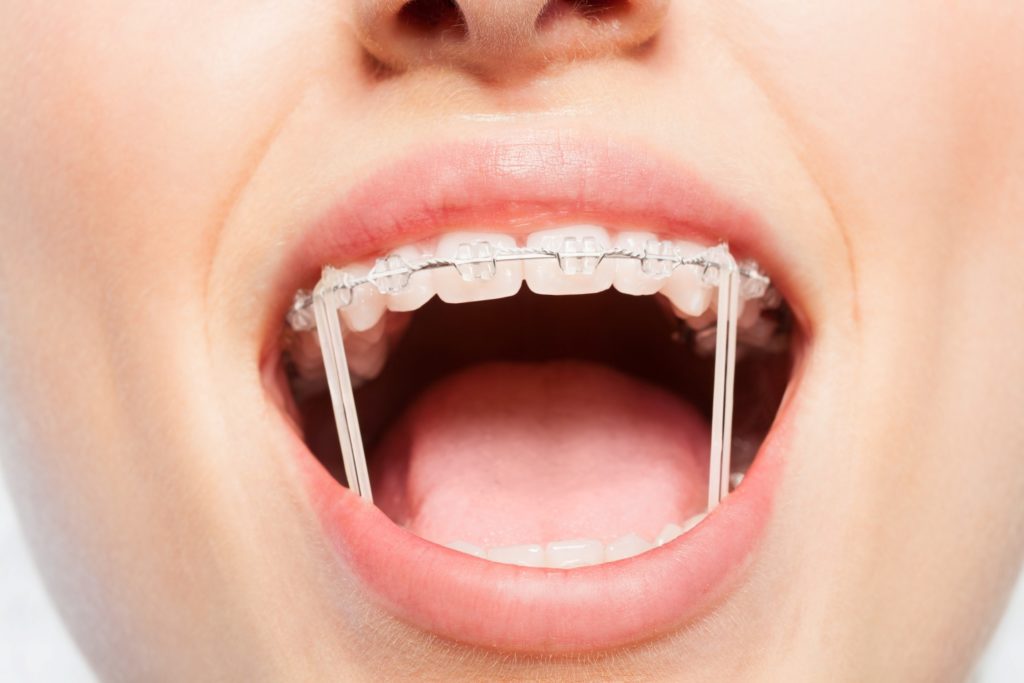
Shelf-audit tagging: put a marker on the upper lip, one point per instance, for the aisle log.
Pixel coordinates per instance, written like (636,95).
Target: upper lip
(516,185)
(523,183)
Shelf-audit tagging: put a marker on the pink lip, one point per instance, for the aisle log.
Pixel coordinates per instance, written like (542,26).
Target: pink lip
(516,186)
(503,607)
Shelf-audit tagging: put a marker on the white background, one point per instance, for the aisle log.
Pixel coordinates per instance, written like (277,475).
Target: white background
(34,648)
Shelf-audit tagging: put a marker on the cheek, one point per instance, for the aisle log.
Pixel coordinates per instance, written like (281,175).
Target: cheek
(126,131)
(886,101)
(131,129)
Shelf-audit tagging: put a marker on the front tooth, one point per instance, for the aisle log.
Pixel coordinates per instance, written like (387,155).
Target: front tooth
(468,548)
(573,553)
(420,287)
(670,533)
(630,277)
(366,308)
(685,288)
(627,546)
(574,272)
(478,278)
(522,555)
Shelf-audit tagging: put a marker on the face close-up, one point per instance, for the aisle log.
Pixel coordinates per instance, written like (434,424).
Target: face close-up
(556,253)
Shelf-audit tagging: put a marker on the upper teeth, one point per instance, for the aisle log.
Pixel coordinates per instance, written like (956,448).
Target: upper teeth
(468,266)
(476,266)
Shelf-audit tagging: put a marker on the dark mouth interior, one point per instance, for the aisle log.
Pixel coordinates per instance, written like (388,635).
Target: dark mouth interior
(635,335)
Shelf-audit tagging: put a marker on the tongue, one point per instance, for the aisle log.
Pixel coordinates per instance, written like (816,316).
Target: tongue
(512,453)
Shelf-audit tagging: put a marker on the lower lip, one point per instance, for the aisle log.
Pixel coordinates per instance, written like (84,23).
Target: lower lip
(521,609)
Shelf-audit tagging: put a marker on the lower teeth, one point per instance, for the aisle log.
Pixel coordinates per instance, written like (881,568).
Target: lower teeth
(575,553)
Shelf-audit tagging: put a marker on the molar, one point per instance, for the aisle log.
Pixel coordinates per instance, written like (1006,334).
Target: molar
(699,322)
(750,313)
(305,354)
(367,351)
(481,280)
(572,274)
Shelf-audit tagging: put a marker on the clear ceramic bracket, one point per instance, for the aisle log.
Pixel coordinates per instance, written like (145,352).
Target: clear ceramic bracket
(734,282)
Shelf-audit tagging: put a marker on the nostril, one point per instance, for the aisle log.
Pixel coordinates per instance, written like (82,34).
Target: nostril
(433,17)
(504,39)
(594,10)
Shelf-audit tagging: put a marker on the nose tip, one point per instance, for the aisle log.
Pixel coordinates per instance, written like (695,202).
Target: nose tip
(496,37)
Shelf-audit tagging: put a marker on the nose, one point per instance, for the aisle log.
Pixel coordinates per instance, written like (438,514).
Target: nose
(493,38)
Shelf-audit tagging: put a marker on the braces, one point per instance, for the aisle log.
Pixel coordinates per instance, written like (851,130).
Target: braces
(318,310)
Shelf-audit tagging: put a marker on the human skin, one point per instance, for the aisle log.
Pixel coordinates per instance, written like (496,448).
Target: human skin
(158,158)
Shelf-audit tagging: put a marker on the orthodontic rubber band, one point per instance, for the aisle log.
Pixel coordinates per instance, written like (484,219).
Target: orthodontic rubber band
(729,286)
(339,383)
(318,310)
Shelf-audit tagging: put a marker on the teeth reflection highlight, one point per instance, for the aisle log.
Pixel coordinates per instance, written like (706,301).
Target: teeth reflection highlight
(522,555)
(670,533)
(629,545)
(574,553)
(469,549)
(476,277)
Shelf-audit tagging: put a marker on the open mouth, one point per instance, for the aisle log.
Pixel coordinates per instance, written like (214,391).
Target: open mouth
(537,438)
(581,422)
